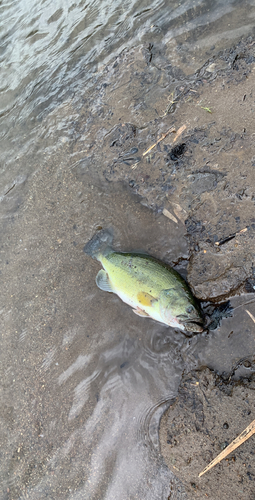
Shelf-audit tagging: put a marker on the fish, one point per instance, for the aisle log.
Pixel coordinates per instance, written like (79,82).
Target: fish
(152,288)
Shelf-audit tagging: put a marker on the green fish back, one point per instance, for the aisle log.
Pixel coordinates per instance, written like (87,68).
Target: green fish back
(148,272)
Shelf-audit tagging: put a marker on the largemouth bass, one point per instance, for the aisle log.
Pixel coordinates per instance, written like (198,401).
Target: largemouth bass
(152,288)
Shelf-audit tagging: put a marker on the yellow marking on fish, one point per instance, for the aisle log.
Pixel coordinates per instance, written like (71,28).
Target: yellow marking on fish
(145,299)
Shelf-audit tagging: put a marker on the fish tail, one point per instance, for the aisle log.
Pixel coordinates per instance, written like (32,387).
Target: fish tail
(99,243)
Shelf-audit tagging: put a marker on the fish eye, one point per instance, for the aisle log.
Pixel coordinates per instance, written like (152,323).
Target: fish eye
(189,309)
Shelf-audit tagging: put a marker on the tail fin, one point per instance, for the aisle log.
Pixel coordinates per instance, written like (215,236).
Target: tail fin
(99,243)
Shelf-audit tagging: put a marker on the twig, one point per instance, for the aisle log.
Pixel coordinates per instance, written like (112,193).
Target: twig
(246,434)
(251,315)
(179,132)
(172,129)
(231,237)
(10,189)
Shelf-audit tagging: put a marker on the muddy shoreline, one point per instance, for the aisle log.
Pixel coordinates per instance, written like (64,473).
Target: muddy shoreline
(204,181)
(74,360)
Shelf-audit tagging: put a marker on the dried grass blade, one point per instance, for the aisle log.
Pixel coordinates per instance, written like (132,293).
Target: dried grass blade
(169,215)
(251,315)
(246,434)
(179,132)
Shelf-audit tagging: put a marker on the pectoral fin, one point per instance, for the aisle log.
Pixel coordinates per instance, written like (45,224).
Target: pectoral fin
(139,312)
(103,282)
(145,299)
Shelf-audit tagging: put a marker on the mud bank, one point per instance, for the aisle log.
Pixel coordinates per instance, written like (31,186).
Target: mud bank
(207,415)
(204,182)
(205,179)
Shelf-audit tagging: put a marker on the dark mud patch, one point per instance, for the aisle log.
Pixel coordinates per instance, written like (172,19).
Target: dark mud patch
(209,412)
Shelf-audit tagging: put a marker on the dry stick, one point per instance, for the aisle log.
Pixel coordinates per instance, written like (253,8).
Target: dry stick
(230,237)
(172,129)
(179,132)
(251,315)
(248,432)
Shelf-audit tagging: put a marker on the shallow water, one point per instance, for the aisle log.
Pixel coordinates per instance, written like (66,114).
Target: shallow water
(84,380)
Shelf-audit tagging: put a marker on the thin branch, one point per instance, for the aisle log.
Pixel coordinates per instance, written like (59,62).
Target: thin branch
(172,129)
(179,132)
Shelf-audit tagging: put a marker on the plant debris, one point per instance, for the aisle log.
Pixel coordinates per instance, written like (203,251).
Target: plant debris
(230,237)
(246,434)
(251,315)
(169,215)
(172,129)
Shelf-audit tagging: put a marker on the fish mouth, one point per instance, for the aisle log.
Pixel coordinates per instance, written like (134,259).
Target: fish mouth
(192,325)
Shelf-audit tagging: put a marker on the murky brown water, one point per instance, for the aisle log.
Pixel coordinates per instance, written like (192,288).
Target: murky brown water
(84,381)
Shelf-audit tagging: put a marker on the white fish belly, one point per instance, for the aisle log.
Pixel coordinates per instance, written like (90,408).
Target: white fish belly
(152,312)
